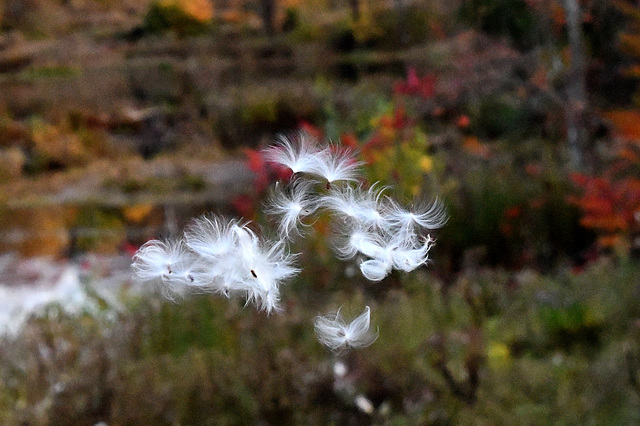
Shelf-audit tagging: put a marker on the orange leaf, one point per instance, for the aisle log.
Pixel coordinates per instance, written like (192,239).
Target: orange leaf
(609,240)
(474,146)
(626,123)
(137,212)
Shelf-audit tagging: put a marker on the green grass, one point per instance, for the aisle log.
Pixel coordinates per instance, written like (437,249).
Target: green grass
(561,348)
(50,72)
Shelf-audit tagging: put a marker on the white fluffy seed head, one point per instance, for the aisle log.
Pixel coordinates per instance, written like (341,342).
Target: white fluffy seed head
(408,255)
(299,153)
(226,257)
(428,216)
(356,204)
(336,164)
(212,237)
(353,238)
(376,269)
(166,262)
(157,259)
(291,204)
(333,332)
(264,265)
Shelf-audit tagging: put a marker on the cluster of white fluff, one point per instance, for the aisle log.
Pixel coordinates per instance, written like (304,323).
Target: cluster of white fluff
(339,336)
(219,256)
(369,225)
(225,256)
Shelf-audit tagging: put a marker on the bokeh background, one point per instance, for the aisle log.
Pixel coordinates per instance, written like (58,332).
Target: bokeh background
(121,120)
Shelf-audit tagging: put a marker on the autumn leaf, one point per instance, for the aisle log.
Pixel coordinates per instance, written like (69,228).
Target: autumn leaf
(626,123)
(137,212)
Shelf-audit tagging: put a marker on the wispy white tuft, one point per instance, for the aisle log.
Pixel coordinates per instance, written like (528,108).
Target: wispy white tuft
(335,164)
(212,236)
(407,255)
(168,262)
(300,154)
(340,337)
(214,239)
(265,266)
(357,204)
(376,269)
(218,256)
(430,217)
(384,249)
(291,204)
(354,239)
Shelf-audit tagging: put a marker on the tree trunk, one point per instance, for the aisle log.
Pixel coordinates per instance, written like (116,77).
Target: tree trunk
(575,91)
(355,9)
(268,9)
(400,8)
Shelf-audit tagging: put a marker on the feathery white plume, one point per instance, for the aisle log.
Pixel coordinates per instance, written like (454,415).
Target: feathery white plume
(211,237)
(266,266)
(355,238)
(291,204)
(428,217)
(339,336)
(336,164)
(258,268)
(168,262)
(299,154)
(157,259)
(386,249)
(354,203)
(407,255)
(376,269)
(215,240)
(226,257)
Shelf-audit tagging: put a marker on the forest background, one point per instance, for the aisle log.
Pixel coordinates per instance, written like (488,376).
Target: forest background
(122,120)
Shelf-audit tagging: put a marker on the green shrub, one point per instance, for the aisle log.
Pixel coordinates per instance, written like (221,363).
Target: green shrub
(498,117)
(207,360)
(171,17)
(509,18)
(509,215)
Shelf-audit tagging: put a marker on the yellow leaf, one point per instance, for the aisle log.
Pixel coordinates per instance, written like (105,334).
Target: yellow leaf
(426,164)
(137,212)
(498,354)
(202,10)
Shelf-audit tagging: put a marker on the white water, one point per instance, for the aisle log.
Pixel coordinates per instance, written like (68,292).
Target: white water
(29,285)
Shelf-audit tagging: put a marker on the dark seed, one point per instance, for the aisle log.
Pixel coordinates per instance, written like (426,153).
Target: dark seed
(254,274)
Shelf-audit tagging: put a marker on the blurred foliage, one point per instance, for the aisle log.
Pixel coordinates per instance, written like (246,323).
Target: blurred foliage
(510,217)
(511,18)
(397,152)
(610,200)
(182,17)
(492,346)
(379,27)
(53,148)
(45,72)
(103,230)
(508,200)
(263,111)
(524,321)
(498,117)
